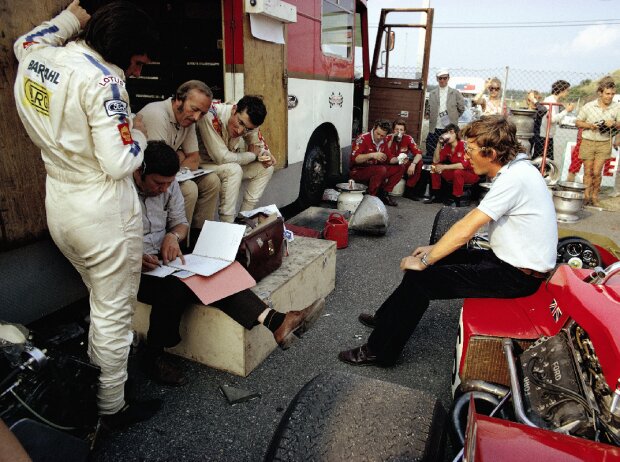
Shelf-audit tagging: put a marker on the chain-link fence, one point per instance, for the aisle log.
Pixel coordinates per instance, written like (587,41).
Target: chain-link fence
(515,85)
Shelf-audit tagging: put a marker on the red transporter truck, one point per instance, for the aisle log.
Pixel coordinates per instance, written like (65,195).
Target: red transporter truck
(310,61)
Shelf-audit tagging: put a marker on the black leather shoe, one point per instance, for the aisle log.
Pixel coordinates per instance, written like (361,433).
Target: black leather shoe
(360,356)
(162,370)
(367,319)
(131,413)
(297,322)
(411,194)
(387,200)
(453,202)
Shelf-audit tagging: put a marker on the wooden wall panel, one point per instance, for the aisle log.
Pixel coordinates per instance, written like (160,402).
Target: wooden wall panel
(265,71)
(22,175)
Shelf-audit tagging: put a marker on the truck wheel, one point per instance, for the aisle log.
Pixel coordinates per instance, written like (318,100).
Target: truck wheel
(337,417)
(444,220)
(313,177)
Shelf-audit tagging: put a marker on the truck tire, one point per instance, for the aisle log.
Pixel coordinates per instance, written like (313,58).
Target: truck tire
(444,220)
(345,417)
(313,177)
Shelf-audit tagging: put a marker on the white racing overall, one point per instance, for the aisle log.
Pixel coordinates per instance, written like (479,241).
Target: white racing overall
(75,108)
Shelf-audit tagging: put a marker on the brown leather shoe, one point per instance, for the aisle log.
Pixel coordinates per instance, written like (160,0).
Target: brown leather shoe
(360,356)
(163,371)
(367,319)
(297,322)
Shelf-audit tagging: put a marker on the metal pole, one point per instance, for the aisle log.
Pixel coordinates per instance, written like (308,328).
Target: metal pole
(504,90)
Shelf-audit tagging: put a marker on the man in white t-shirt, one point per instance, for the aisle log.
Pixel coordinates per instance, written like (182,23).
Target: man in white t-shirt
(517,202)
(445,106)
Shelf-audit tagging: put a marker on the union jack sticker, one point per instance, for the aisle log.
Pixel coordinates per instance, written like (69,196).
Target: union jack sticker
(556,311)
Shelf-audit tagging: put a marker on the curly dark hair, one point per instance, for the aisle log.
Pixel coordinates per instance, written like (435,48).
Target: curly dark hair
(120,30)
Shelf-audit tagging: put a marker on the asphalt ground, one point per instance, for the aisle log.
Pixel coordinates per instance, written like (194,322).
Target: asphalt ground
(196,422)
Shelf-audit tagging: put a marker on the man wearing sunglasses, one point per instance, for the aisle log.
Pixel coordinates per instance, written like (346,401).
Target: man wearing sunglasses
(236,150)
(445,106)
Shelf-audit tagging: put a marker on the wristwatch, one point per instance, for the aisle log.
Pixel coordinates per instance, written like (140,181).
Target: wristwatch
(175,235)
(425,261)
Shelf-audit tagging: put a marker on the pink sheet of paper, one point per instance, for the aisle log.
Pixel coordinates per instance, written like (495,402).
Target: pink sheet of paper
(232,279)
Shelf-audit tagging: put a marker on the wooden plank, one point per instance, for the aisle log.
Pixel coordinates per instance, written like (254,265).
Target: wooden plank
(22,175)
(265,74)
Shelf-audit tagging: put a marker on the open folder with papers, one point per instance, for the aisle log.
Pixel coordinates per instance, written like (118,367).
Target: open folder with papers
(215,249)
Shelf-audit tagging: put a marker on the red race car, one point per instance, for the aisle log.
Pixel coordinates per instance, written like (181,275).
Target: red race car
(535,378)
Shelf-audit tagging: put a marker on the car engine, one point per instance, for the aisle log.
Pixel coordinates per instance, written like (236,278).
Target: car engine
(564,389)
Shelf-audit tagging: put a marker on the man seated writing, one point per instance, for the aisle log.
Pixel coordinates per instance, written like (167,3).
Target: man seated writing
(236,150)
(165,225)
(173,121)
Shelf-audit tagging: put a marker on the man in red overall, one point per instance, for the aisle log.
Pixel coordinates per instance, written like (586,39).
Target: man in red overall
(370,163)
(450,163)
(398,143)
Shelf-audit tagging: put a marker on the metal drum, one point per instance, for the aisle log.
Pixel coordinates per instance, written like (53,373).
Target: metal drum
(571,186)
(567,204)
(524,121)
(351,195)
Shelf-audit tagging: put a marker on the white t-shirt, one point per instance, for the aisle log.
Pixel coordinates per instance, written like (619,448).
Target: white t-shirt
(524,232)
(556,117)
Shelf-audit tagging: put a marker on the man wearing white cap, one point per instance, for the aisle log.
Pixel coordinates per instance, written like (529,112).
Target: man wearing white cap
(445,106)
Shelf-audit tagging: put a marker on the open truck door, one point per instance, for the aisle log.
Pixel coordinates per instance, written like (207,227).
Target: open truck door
(400,67)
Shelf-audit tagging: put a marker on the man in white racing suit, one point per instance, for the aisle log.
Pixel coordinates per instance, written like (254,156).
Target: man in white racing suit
(236,151)
(71,98)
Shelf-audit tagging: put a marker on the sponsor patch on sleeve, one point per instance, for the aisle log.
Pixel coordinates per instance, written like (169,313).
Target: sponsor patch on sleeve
(123,129)
(110,80)
(114,107)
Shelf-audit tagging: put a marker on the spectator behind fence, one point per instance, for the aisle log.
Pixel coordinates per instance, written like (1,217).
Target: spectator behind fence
(399,143)
(370,163)
(532,102)
(517,203)
(559,91)
(451,165)
(600,120)
(491,104)
(445,105)
(165,224)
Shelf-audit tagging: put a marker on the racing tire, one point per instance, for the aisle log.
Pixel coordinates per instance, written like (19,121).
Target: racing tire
(338,417)
(313,177)
(444,220)
(578,253)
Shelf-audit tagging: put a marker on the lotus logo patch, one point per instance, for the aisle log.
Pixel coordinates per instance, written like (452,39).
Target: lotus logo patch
(109,80)
(115,107)
(38,96)
(556,311)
